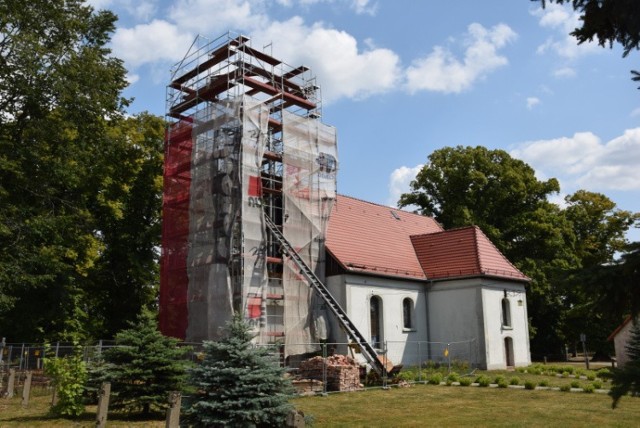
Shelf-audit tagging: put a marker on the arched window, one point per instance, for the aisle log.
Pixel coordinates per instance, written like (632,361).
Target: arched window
(407,313)
(375,308)
(506,313)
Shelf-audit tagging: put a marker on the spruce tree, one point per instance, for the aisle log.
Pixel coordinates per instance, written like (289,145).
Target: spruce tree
(238,384)
(143,367)
(626,380)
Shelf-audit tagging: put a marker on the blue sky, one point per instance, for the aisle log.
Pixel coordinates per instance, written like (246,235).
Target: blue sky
(402,78)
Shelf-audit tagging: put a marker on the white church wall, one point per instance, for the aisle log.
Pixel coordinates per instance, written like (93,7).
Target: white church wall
(497,330)
(455,311)
(355,298)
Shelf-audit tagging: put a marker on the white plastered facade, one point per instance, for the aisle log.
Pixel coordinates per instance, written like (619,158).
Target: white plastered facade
(455,319)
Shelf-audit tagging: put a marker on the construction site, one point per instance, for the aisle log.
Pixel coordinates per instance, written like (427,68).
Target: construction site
(249,184)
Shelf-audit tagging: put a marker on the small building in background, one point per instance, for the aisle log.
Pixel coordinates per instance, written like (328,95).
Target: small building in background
(620,338)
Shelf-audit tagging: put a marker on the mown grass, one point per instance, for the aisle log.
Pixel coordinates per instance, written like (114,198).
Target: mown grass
(12,414)
(418,405)
(428,405)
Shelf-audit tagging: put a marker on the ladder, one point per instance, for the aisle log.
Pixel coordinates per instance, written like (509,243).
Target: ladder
(367,350)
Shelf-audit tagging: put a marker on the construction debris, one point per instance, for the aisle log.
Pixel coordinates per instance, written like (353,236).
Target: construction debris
(342,372)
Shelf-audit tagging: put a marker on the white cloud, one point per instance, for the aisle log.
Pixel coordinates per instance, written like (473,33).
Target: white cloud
(364,7)
(532,102)
(635,112)
(132,78)
(441,71)
(343,68)
(564,72)
(217,16)
(562,20)
(584,161)
(399,182)
(156,41)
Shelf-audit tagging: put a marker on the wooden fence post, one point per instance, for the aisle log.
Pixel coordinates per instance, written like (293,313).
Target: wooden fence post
(173,412)
(11,384)
(26,390)
(103,405)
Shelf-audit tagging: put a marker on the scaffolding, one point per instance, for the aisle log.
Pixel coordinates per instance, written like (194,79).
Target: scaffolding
(244,141)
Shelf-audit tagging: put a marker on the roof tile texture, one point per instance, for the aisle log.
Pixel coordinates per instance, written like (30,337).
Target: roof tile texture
(367,237)
(460,253)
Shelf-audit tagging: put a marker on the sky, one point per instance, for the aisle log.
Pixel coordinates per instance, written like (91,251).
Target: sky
(402,78)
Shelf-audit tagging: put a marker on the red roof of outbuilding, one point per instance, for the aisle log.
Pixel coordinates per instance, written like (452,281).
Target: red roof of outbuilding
(372,238)
(462,252)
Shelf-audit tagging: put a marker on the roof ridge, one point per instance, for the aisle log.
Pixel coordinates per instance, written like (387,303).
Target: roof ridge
(386,206)
(447,230)
(477,248)
(498,251)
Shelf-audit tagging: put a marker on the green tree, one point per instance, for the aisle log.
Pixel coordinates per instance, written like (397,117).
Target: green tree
(127,214)
(69,374)
(600,234)
(238,384)
(73,172)
(143,367)
(626,380)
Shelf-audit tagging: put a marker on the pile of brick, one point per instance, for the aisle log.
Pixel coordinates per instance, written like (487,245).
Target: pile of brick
(343,373)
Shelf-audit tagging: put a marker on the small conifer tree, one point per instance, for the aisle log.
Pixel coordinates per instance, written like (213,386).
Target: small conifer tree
(238,384)
(143,367)
(626,379)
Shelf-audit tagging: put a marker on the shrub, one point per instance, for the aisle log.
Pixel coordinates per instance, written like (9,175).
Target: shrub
(502,383)
(407,375)
(588,388)
(565,388)
(465,381)
(483,380)
(143,367)
(238,384)
(453,377)
(435,379)
(597,384)
(543,382)
(529,384)
(69,375)
(575,384)
(521,369)
(591,375)
(565,374)
(499,379)
(604,373)
(514,381)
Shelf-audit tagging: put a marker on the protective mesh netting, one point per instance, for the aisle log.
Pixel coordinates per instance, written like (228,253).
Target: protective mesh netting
(214,247)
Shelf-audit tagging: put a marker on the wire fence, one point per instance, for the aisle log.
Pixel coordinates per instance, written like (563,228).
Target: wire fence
(328,367)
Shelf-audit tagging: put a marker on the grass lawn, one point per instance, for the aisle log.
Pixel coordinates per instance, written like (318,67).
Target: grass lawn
(12,414)
(442,406)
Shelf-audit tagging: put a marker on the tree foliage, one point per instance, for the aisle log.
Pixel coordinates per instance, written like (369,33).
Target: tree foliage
(558,248)
(238,384)
(626,380)
(143,367)
(73,171)
(69,374)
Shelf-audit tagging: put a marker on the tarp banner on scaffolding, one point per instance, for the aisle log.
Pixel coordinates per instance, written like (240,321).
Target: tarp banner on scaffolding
(213,210)
(255,120)
(175,229)
(309,190)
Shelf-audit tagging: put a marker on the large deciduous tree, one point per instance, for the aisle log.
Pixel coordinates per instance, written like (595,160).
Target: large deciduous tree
(555,247)
(72,172)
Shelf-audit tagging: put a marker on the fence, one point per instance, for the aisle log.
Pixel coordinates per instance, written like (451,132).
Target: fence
(327,369)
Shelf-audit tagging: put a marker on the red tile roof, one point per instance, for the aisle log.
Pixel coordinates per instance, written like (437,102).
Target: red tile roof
(371,238)
(620,327)
(462,252)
